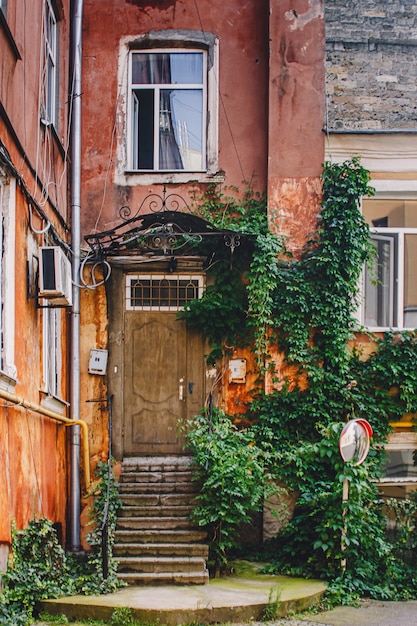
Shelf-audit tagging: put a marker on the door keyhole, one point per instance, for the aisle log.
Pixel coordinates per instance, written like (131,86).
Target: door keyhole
(190,388)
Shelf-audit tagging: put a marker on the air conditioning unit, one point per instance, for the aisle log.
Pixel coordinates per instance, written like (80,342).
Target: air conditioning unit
(55,276)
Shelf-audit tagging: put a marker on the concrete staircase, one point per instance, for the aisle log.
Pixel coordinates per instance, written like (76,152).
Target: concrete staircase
(155,541)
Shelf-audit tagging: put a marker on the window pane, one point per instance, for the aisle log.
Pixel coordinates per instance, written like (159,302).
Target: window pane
(379,284)
(50,64)
(164,68)
(176,141)
(187,68)
(144,126)
(180,129)
(400,464)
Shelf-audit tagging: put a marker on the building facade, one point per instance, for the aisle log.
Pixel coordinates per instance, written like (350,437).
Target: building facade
(180,98)
(34,214)
(371,112)
(175,98)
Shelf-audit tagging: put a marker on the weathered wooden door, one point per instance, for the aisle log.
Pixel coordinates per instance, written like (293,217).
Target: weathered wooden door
(163,381)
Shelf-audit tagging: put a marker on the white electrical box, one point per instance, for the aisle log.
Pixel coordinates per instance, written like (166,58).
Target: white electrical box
(237,371)
(98,361)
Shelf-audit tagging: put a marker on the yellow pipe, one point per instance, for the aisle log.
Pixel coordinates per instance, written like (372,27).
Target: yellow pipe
(37,408)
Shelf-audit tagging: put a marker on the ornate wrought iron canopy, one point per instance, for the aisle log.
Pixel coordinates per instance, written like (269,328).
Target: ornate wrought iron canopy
(163,230)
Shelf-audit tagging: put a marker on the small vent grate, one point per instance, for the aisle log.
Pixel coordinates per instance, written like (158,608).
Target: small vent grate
(162,292)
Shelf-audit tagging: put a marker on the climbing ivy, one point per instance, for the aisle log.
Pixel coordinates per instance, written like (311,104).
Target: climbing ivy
(306,307)
(39,568)
(98,573)
(236,306)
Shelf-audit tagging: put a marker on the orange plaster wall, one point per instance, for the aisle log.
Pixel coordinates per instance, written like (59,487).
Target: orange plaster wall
(296,117)
(33,478)
(236,396)
(33,449)
(296,139)
(93,407)
(293,205)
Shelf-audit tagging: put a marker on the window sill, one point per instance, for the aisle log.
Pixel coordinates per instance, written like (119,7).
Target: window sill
(134,178)
(10,39)
(395,481)
(7,383)
(52,403)
(385,329)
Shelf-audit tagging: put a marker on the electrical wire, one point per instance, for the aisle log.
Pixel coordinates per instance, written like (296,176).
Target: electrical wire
(113,135)
(94,284)
(221,98)
(33,229)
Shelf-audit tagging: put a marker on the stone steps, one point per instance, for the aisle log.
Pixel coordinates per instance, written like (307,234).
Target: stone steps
(154,523)
(158,536)
(166,578)
(155,540)
(150,499)
(162,564)
(149,488)
(161,549)
(157,511)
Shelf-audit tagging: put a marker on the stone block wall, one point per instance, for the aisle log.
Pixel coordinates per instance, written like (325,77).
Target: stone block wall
(371,64)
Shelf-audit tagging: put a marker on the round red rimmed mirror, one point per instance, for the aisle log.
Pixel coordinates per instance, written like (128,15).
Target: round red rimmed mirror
(354,441)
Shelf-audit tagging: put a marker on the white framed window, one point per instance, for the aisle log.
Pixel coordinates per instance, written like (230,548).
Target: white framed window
(8,371)
(400,469)
(162,292)
(168,110)
(50,81)
(389,288)
(52,351)
(199,163)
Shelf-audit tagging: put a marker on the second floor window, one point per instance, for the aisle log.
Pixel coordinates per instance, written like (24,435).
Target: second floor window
(168,110)
(50,65)
(390,285)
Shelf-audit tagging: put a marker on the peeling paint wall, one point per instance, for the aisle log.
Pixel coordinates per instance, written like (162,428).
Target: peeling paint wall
(33,173)
(271,113)
(296,118)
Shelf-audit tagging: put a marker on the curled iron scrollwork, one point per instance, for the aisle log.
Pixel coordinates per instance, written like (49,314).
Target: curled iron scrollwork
(155,203)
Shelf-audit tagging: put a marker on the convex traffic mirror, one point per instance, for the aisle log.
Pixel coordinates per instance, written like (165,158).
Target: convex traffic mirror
(354,441)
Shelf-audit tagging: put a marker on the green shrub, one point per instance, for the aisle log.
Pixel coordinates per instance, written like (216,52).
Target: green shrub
(37,570)
(232,472)
(305,306)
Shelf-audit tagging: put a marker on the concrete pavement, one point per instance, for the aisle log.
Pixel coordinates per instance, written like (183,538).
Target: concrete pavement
(247,598)
(370,613)
(232,599)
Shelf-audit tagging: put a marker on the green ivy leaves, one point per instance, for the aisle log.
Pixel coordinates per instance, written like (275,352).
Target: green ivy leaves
(234,481)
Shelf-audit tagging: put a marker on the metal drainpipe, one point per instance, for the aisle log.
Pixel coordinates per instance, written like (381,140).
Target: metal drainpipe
(75,489)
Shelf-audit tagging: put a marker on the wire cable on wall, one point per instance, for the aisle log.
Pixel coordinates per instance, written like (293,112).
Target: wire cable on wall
(222,100)
(113,135)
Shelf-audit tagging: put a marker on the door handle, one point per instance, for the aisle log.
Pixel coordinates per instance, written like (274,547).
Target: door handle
(181,390)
